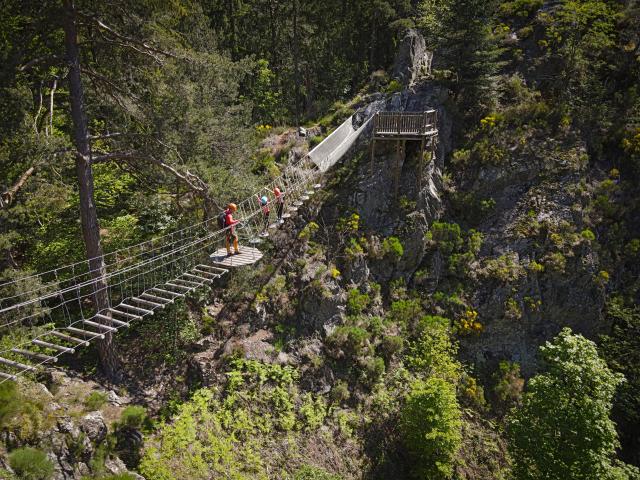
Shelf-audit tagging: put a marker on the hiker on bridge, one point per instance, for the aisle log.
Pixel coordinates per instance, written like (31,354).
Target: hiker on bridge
(279,203)
(264,205)
(230,224)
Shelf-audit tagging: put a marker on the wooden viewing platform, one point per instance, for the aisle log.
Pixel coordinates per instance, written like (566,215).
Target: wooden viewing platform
(402,127)
(405,125)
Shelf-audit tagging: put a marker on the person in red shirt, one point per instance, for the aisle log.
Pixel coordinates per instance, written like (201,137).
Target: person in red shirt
(279,203)
(230,223)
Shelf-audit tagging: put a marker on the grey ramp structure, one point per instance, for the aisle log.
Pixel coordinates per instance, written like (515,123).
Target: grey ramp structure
(327,153)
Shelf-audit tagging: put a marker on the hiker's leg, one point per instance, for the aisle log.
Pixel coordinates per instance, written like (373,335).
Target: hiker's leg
(235,243)
(227,244)
(280,209)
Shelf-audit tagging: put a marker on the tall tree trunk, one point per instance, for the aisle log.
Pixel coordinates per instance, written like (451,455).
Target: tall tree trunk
(296,61)
(88,215)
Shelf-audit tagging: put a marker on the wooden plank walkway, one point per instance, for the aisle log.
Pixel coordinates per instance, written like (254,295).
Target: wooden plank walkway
(247,256)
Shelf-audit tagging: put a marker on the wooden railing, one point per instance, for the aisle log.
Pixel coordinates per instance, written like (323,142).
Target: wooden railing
(404,123)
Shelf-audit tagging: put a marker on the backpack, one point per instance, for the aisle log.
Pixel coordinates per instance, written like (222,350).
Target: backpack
(222,220)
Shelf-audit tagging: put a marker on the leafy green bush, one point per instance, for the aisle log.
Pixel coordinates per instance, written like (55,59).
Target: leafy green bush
(308,231)
(405,312)
(31,464)
(555,262)
(433,352)
(509,385)
(10,401)
(391,246)
(308,472)
(133,416)
(340,392)
(445,236)
(505,268)
(357,302)
(348,339)
(430,422)
(394,86)
(95,401)
(562,429)
(391,344)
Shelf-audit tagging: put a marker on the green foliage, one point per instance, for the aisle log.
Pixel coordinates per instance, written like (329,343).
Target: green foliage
(349,225)
(222,433)
(509,385)
(562,429)
(267,101)
(391,246)
(357,302)
(308,231)
(95,401)
(394,86)
(350,340)
(430,422)
(10,401)
(31,464)
(621,349)
(133,416)
(505,268)
(445,236)
(433,353)
(308,472)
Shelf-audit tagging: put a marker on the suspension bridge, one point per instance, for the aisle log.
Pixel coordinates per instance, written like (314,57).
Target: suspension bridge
(55,312)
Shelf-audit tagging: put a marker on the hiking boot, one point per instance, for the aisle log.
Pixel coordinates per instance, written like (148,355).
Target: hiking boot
(237,252)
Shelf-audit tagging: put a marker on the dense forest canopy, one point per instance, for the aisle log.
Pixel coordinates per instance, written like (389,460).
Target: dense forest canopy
(485,326)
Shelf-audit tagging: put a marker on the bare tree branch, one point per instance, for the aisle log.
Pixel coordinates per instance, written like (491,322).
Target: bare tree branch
(53,91)
(8,195)
(47,60)
(128,41)
(35,120)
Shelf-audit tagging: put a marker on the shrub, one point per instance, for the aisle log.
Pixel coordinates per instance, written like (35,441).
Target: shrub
(445,236)
(10,401)
(31,464)
(535,267)
(555,261)
(308,231)
(468,323)
(95,401)
(340,392)
(373,369)
(405,312)
(433,353)
(394,86)
(357,302)
(134,416)
(391,344)
(588,235)
(512,309)
(308,472)
(391,246)
(472,392)
(509,385)
(430,422)
(505,268)
(351,340)
(350,224)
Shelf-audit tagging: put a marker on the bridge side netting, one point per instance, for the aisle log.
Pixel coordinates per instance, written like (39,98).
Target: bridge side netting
(326,154)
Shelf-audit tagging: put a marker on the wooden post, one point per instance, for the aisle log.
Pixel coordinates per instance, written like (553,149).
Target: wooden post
(421,165)
(397,169)
(373,152)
